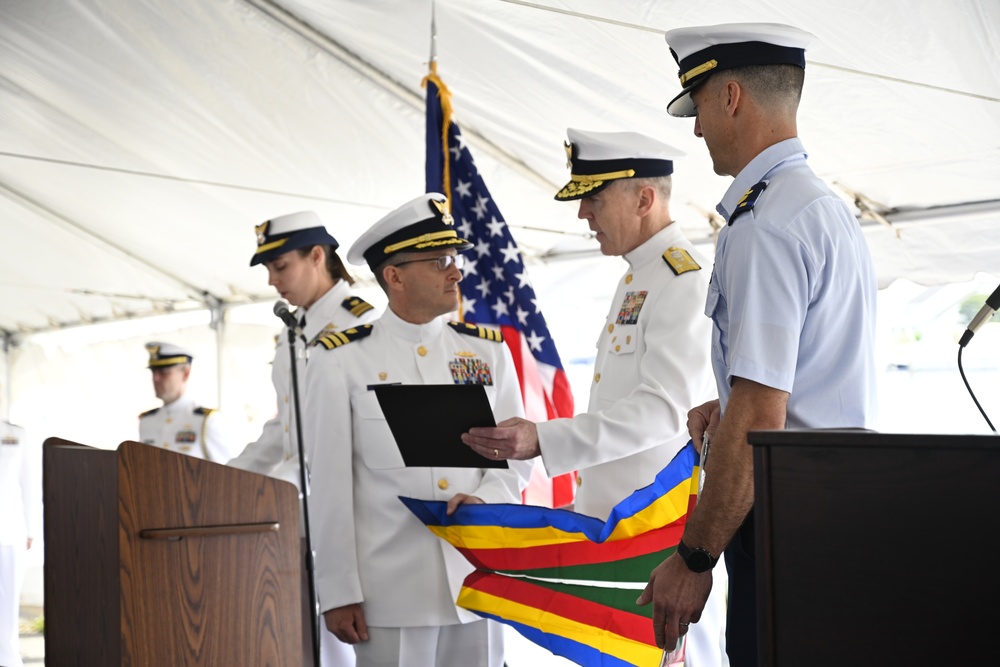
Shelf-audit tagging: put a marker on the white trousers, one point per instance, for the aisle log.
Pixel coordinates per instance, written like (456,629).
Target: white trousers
(12,567)
(476,644)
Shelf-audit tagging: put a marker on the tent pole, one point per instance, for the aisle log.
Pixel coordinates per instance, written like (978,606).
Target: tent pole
(218,324)
(7,338)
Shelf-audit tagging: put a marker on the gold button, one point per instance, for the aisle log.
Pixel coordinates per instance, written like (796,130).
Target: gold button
(443,484)
(169,420)
(618,348)
(628,279)
(611,328)
(628,339)
(286,398)
(422,351)
(286,429)
(597,377)
(579,480)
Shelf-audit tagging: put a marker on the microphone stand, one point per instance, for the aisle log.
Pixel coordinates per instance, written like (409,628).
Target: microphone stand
(304,482)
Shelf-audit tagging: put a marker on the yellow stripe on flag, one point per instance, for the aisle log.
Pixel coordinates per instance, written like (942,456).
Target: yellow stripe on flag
(604,641)
(667,509)
(500,537)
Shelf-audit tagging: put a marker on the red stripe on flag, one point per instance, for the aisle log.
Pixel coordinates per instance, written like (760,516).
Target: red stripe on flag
(631,626)
(576,553)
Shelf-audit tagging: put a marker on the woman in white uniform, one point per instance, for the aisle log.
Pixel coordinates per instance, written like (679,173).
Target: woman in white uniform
(305,270)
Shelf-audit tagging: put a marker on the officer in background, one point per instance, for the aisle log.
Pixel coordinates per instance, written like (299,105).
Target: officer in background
(792,302)
(180,425)
(20,525)
(653,361)
(305,270)
(386,583)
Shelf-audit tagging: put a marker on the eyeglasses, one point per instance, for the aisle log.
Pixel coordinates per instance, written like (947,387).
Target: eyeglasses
(443,263)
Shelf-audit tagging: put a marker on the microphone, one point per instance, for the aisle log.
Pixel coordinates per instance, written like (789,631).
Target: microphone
(991,306)
(281,310)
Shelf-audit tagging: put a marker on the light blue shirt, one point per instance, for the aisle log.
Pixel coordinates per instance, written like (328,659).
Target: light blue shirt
(792,297)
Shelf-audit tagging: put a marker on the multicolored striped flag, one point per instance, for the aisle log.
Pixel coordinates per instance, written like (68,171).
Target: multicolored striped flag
(495,288)
(566,581)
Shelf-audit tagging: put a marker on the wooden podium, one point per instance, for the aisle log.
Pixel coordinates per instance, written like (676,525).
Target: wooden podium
(876,549)
(158,559)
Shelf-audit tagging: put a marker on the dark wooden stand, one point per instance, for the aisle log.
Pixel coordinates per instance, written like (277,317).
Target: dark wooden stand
(158,559)
(876,549)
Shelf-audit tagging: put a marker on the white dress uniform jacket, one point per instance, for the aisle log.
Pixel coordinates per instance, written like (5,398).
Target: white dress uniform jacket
(652,366)
(276,451)
(21,518)
(370,548)
(185,427)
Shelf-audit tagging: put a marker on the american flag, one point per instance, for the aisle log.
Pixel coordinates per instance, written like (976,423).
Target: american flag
(495,287)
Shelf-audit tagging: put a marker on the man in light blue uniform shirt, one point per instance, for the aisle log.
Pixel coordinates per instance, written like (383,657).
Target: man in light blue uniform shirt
(792,301)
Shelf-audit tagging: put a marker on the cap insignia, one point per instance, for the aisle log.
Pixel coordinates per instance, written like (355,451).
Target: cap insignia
(261,230)
(700,69)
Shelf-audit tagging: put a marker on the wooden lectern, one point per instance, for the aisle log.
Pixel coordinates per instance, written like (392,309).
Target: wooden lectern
(876,549)
(158,559)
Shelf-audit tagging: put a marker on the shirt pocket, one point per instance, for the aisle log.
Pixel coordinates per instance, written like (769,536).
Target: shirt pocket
(715,310)
(623,339)
(372,435)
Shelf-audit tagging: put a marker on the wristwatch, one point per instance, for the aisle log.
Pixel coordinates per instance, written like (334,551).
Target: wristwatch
(697,559)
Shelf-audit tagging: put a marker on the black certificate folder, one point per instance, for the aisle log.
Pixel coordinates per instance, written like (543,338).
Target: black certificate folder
(428,420)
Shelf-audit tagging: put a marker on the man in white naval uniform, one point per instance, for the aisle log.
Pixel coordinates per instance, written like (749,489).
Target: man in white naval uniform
(385,582)
(20,525)
(653,354)
(181,425)
(304,268)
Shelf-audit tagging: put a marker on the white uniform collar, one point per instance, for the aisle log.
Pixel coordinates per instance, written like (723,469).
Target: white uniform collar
(414,333)
(318,314)
(654,247)
(757,170)
(181,405)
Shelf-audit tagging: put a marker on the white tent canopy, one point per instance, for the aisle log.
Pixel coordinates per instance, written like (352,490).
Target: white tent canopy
(140,140)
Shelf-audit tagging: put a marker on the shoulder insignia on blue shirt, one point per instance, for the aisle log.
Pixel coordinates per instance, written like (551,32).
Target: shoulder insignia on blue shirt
(680,260)
(477,330)
(149,412)
(204,411)
(341,338)
(356,306)
(747,201)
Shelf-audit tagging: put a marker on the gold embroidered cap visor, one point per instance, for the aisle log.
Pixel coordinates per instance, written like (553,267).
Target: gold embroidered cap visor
(422,224)
(588,177)
(164,355)
(290,232)
(702,51)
